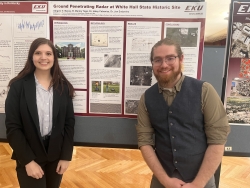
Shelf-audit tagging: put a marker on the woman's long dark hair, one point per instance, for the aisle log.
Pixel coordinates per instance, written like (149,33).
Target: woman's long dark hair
(58,78)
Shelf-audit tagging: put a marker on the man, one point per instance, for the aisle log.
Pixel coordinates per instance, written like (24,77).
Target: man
(182,124)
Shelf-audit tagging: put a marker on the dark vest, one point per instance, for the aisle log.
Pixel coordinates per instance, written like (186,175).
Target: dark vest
(180,140)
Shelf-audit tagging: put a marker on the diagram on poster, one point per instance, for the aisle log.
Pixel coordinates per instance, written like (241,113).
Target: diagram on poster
(5,59)
(6,27)
(99,39)
(142,44)
(240,47)
(3,92)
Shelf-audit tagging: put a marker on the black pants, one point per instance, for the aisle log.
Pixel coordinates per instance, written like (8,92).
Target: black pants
(50,179)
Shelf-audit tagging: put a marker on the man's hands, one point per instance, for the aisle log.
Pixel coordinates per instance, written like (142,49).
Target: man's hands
(62,166)
(34,170)
(154,164)
(191,185)
(173,183)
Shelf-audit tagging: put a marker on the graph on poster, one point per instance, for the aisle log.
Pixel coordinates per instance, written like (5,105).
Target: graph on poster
(30,26)
(5,26)
(33,27)
(4,59)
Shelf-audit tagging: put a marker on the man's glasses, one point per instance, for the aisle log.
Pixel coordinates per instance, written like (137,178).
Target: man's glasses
(169,60)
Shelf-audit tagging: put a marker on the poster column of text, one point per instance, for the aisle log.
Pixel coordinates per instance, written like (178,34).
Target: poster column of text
(141,36)
(70,39)
(105,66)
(187,34)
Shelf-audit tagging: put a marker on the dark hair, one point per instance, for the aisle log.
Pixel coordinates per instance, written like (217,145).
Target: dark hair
(58,77)
(168,42)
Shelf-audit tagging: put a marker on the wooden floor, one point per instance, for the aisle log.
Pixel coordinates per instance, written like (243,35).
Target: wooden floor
(117,168)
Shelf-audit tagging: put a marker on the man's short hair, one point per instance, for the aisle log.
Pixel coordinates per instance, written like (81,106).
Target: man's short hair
(168,42)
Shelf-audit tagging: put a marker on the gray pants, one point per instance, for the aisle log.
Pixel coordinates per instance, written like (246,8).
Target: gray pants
(156,184)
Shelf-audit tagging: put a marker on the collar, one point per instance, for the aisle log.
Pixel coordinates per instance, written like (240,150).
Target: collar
(40,86)
(176,88)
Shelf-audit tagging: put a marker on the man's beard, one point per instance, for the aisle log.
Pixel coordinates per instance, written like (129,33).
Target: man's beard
(164,81)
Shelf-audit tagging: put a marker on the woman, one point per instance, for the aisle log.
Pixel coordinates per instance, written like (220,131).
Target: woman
(40,118)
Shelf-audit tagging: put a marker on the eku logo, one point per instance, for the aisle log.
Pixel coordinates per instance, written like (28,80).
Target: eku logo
(193,8)
(244,9)
(39,7)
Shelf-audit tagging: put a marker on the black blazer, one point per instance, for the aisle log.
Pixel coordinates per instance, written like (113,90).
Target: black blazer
(22,123)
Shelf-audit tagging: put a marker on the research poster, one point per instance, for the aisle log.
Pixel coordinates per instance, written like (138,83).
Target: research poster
(118,38)
(104,47)
(237,93)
